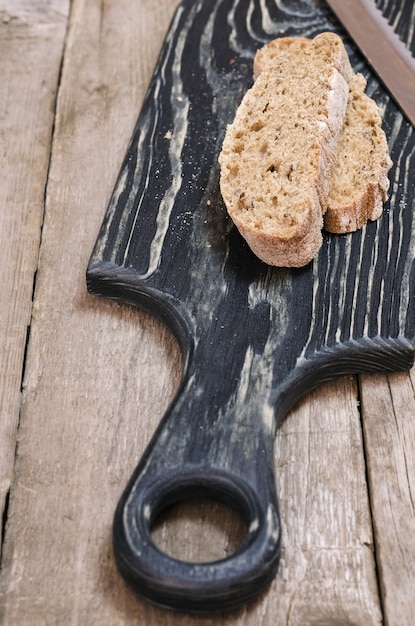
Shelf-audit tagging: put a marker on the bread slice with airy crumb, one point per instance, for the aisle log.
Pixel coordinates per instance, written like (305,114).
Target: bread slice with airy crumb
(359,181)
(279,152)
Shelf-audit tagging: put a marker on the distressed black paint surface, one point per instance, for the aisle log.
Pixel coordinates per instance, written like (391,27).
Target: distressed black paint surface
(254,338)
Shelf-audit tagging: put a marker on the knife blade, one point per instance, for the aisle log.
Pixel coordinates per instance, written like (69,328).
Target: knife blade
(383,49)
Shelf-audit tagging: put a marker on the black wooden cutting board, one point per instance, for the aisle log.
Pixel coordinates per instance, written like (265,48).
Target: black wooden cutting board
(254,338)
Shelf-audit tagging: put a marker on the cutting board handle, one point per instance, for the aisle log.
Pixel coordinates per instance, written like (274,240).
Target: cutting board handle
(228,465)
(216,441)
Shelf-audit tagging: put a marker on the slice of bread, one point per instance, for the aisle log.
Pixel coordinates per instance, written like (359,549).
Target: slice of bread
(279,152)
(359,181)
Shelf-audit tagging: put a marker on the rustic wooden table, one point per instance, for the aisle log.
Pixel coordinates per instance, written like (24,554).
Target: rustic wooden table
(84,382)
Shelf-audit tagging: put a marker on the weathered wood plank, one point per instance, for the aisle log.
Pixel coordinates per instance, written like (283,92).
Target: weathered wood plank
(99,377)
(70,435)
(327,572)
(388,407)
(31,44)
(34,11)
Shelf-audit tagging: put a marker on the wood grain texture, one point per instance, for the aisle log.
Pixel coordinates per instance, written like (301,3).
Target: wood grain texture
(30,53)
(388,420)
(328,577)
(388,409)
(255,338)
(58,533)
(99,377)
(34,12)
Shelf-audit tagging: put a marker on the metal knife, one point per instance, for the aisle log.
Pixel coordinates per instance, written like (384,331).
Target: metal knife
(386,53)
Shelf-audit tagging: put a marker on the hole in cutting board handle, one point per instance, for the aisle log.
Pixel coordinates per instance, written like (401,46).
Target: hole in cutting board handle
(198,530)
(196,587)
(200,493)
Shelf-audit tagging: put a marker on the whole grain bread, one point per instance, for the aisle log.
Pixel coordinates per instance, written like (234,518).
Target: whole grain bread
(359,181)
(279,152)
